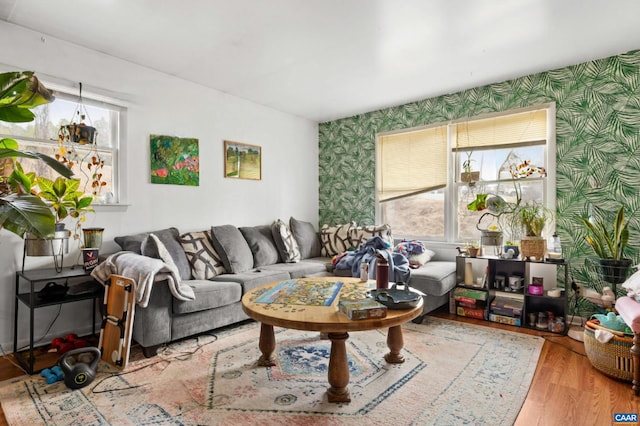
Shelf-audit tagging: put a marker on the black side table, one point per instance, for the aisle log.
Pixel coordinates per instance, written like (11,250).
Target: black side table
(32,301)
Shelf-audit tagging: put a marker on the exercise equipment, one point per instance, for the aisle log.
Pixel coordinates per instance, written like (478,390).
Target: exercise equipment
(78,374)
(117,321)
(53,374)
(67,343)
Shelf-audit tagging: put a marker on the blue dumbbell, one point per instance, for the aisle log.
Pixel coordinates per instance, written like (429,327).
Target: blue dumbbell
(52,374)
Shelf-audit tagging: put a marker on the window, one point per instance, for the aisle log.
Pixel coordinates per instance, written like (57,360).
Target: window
(41,135)
(426,177)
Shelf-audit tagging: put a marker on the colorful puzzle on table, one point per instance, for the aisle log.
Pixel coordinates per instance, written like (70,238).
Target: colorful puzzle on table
(303,292)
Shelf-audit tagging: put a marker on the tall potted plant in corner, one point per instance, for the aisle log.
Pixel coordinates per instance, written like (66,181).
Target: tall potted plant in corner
(609,246)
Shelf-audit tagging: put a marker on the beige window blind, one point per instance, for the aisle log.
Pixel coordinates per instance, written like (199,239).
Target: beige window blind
(411,162)
(522,129)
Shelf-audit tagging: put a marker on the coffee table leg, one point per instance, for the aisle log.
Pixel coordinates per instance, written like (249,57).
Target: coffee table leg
(267,346)
(395,342)
(338,369)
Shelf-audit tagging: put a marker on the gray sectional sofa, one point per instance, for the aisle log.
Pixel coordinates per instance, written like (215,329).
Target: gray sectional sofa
(223,263)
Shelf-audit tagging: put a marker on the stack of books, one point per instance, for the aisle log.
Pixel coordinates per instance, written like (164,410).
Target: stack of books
(362,309)
(471,303)
(506,310)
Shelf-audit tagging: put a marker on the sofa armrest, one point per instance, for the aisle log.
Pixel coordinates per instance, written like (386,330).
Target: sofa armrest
(152,325)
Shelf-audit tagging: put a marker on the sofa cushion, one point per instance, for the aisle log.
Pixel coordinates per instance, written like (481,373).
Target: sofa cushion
(336,239)
(360,234)
(254,278)
(169,239)
(209,295)
(306,237)
(232,248)
(285,241)
(204,259)
(435,278)
(262,245)
(133,242)
(316,266)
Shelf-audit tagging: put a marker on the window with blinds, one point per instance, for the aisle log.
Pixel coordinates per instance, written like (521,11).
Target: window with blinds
(424,180)
(411,163)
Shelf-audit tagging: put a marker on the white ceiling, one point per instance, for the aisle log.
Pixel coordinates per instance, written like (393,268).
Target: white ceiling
(328,59)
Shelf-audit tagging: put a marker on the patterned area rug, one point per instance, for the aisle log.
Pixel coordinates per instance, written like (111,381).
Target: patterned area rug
(453,374)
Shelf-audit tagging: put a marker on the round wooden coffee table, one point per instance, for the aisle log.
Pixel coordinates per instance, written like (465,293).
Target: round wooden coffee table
(313,316)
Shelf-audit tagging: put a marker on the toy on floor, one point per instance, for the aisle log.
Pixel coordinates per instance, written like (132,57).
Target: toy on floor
(604,300)
(53,374)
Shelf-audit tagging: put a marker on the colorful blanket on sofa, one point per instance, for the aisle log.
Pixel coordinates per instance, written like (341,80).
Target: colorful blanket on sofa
(398,264)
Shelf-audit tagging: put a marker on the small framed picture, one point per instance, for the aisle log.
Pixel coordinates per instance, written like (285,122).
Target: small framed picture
(242,161)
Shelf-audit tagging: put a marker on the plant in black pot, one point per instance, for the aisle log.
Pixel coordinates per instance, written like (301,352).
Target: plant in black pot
(609,246)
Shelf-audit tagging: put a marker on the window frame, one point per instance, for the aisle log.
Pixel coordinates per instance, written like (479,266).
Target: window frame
(451,201)
(117,108)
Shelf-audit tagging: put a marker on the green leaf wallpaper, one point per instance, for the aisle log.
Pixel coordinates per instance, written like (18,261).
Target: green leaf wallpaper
(597,139)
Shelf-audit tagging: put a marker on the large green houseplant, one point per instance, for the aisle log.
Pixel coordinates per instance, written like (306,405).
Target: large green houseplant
(609,245)
(21,210)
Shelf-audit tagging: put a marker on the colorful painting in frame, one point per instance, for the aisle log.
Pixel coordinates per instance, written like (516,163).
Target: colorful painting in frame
(242,161)
(175,160)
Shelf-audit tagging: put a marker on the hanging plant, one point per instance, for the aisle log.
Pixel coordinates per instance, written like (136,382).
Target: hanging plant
(80,133)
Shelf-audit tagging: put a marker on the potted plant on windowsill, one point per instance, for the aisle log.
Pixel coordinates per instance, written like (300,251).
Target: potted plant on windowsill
(533,217)
(610,246)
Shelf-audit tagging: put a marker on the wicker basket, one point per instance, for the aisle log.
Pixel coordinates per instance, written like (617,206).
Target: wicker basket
(612,358)
(533,247)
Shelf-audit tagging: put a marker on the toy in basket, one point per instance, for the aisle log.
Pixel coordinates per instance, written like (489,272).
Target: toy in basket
(612,358)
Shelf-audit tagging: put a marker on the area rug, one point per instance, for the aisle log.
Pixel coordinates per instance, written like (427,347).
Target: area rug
(454,373)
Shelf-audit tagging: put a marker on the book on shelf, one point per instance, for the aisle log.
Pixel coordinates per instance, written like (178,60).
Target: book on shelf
(503,319)
(362,309)
(468,293)
(471,312)
(507,306)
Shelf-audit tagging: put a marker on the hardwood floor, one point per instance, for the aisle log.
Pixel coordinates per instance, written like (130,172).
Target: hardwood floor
(566,389)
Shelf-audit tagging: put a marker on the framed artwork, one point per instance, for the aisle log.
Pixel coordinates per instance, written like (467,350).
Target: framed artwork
(175,160)
(242,161)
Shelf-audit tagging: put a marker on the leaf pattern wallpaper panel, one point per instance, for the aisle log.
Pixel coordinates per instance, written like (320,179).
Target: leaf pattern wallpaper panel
(597,144)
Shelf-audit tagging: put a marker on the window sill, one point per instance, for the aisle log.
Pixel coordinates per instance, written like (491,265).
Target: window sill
(111,207)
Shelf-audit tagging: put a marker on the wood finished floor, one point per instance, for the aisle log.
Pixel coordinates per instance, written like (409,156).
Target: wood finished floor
(566,389)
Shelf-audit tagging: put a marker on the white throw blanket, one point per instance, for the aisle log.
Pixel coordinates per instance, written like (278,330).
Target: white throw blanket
(145,271)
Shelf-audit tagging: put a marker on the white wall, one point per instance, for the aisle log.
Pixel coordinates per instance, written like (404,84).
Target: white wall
(162,104)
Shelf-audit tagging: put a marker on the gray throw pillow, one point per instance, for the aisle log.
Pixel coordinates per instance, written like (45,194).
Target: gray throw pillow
(286,243)
(232,248)
(168,237)
(261,244)
(131,242)
(306,237)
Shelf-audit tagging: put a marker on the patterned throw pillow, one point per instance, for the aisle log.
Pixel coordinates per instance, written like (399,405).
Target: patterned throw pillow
(204,260)
(286,243)
(361,234)
(336,239)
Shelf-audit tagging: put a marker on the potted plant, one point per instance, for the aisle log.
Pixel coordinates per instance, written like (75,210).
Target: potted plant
(65,199)
(21,210)
(533,218)
(609,246)
(469,175)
